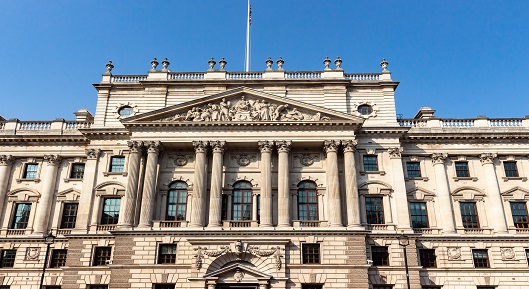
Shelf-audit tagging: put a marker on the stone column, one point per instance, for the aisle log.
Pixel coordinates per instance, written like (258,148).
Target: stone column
(333,183)
(48,191)
(495,203)
(198,208)
(86,200)
(126,212)
(399,189)
(443,193)
(215,199)
(266,183)
(149,187)
(6,163)
(283,190)
(351,187)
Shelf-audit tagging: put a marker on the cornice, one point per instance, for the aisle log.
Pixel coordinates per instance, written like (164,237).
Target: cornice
(105,133)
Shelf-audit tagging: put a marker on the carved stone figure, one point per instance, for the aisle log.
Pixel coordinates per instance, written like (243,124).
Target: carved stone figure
(32,254)
(507,254)
(454,253)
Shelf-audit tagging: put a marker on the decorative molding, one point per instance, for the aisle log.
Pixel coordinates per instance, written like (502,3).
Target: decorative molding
(154,147)
(120,105)
(53,160)
(202,252)
(181,160)
(439,158)
(507,254)
(373,105)
(454,253)
(349,145)
(217,146)
(283,146)
(6,160)
(487,158)
(32,254)
(307,160)
(395,153)
(135,146)
(244,160)
(200,146)
(331,145)
(92,154)
(265,146)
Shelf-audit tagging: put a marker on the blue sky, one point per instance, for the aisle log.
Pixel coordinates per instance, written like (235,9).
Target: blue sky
(462,58)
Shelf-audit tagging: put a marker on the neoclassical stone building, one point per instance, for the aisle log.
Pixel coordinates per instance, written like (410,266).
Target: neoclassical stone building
(271,179)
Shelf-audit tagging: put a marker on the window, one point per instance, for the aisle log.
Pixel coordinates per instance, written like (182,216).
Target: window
(428,259)
(110,214)
(469,215)
(365,109)
(77,171)
(311,253)
(49,287)
(125,111)
(370,163)
(430,287)
(486,287)
(374,210)
(98,286)
(413,169)
(307,201)
(481,258)
(462,170)
(311,286)
(8,258)
(242,201)
(101,256)
(117,164)
(519,214)
(527,255)
(164,286)
(382,286)
(21,216)
(69,215)
(30,171)
(510,169)
(177,202)
(167,254)
(58,258)
(380,255)
(419,215)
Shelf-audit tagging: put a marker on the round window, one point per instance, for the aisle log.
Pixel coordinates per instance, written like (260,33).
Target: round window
(365,109)
(125,111)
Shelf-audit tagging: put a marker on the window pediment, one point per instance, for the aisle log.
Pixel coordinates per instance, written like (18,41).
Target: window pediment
(468,194)
(515,194)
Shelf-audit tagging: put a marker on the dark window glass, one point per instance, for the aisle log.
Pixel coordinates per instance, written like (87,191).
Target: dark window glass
(110,214)
(125,111)
(527,255)
(224,207)
(242,201)
(307,201)
(58,258)
(311,253)
(382,286)
(374,210)
(117,164)
(486,287)
(519,214)
(177,202)
(101,256)
(98,286)
(365,109)
(462,170)
(49,287)
(427,257)
(481,258)
(469,215)
(419,215)
(167,254)
(380,255)
(21,216)
(510,169)
(430,287)
(77,171)
(7,287)
(69,215)
(8,258)
(413,169)
(311,286)
(164,286)
(30,172)
(370,163)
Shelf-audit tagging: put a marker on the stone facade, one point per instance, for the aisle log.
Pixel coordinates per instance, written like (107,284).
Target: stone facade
(270,179)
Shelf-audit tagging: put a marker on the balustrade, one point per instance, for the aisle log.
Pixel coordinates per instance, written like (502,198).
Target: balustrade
(128,78)
(244,75)
(303,75)
(34,125)
(362,76)
(186,76)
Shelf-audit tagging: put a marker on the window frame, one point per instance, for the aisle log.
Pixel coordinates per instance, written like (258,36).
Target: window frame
(310,253)
(427,258)
(307,203)
(462,173)
(246,207)
(56,259)
(418,170)
(13,224)
(478,260)
(26,171)
(74,174)
(180,189)
(370,166)
(164,286)
(116,218)
(380,258)
(162,259)
(519,225)
(6,262)
(113,168)
(380,219)
(101,254)
(68,224)
(464,217)
(511,172)
(425,215)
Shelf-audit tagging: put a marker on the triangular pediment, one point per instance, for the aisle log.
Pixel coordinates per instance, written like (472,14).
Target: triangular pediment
(242,104)
(238,270)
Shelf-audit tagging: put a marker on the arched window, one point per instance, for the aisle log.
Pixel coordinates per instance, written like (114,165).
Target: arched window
(177,202)
(242,201)
(307,201)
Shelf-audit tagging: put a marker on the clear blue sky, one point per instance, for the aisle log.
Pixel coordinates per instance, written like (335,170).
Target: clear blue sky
(462,58)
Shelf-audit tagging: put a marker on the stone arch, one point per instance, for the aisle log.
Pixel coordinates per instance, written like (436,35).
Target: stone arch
(375,187)
(468,193)
(23,195)
(70,194)
(110,188)
(109,183)
(262,264)
(419,193)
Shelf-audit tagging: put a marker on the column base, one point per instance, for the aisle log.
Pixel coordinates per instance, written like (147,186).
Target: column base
(356,227)
(144,226)
(123,227)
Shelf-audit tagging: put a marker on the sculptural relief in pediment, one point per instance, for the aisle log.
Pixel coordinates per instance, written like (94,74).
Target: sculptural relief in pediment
(246,109)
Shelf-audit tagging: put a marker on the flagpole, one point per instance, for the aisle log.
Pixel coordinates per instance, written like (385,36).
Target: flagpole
(247,60)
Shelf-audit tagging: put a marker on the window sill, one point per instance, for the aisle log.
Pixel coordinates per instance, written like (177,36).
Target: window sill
(417,179)
(506,179)
(28,180)
(373,173)
(457,179)
(106,174)
(66,180)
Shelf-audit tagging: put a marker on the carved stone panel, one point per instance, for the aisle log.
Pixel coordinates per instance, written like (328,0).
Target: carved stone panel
(307,160)
(243,160)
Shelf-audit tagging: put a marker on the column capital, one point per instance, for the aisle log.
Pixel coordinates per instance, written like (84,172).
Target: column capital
(53,160)
(439,158)
(331,145)
(155,147)
(135,146)
(6,160)
(395,153)
(92,154)
(349,145)
(487,158)
(265,146)
(283,146)
(218,146)
(200,146)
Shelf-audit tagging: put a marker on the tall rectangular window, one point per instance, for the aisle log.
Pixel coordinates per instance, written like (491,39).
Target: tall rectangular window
(374,210)
(21,216)
(177,202)
(58,258)
(164,286)
(77,171)
(117,164)
(110,213)
(380,255)
(382,286)
(469,215)
(519,214)
(7,259)
(98,286)
(428,258)
(510,169)
(69,215)
(419,215)
(101,256)
(527,255)
(311,253)
(311,286)
(462,169)
(167,254)
(370,163)
(30,171)
(481,258)
(413,169)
